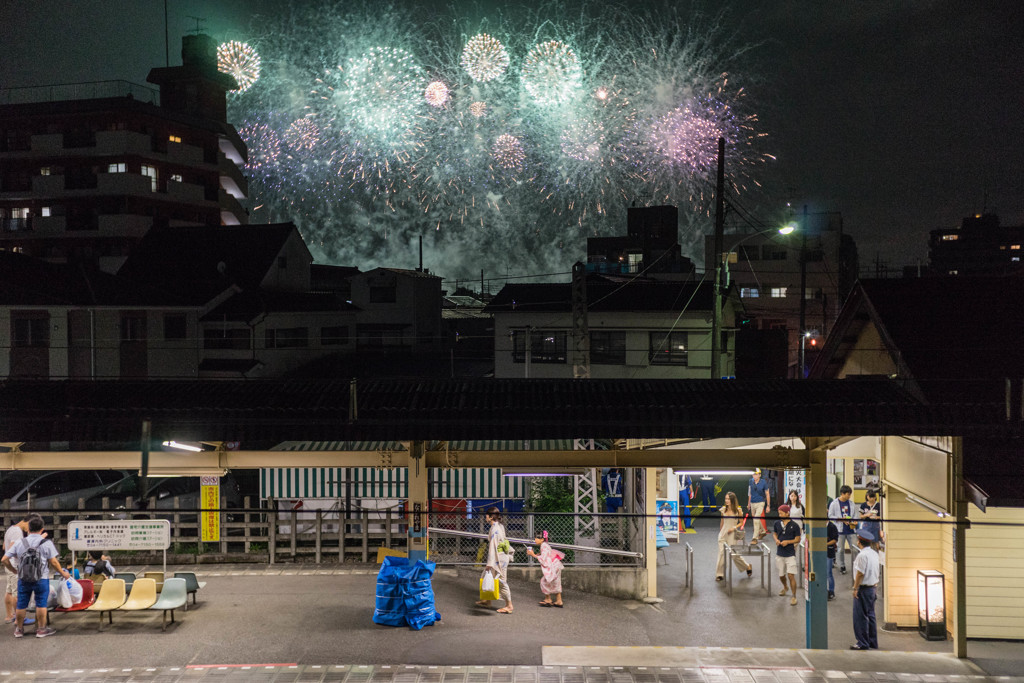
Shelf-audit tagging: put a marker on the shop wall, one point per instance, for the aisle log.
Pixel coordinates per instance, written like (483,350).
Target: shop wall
(909,546)
(995,582)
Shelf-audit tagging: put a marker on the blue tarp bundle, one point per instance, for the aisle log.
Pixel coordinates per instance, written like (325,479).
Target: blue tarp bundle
(405,594)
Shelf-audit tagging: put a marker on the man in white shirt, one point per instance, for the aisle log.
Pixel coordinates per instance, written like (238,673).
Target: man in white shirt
(35,546)
(842,513)
(865,581)
(13,535)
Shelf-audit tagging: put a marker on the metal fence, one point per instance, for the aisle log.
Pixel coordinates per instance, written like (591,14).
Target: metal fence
(276,535)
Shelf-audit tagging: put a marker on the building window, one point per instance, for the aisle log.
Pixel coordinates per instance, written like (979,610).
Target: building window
(30,330)
(376,336)
(950,238)
(608,348)
(383,295)
(668,348)
(176,177)
(133,327)
(116,168)
(288,338)
(546,346)
(45,212)
(151,173)
(227,338)
(1014,247)
(45,170)
(770,252)
(749,292)
(174,138)
(334,336)
(175,327)
(778,292)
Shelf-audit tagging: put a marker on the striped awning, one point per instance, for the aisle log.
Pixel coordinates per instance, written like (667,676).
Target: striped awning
(370,482)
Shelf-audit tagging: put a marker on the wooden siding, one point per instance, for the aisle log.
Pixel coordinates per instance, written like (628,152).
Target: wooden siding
(909,546)
(995,584)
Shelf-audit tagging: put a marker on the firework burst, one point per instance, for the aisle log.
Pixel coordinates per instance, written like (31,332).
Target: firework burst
(240,61)
(484,58)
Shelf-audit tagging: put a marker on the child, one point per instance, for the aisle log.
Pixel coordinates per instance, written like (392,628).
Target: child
(551,566)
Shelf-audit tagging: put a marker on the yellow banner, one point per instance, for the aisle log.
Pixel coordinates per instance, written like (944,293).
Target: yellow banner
(210,500)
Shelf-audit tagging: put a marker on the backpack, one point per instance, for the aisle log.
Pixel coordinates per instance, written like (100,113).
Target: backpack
(31,565)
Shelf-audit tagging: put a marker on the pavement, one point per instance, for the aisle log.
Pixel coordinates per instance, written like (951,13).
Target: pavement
(309,622)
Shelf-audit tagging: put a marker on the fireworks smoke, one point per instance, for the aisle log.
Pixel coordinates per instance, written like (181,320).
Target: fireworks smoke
(506,139)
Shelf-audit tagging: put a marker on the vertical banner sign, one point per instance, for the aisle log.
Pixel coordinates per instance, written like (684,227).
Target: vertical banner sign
(210,503)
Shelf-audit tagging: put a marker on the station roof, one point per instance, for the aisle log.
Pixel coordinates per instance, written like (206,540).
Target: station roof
(261,413)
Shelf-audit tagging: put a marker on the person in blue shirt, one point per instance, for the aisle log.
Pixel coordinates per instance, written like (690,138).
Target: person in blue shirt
(759,502)
(871,515)
(831,541)
(787,536)
(843,515)
(685,498)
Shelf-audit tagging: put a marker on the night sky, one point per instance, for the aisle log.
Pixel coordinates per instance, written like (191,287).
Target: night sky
(903,116)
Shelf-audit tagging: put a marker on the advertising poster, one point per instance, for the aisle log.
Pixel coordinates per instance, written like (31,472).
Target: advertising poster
(668,516)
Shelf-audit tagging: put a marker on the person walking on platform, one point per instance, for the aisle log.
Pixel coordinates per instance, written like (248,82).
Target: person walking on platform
(730,531)
(787,536)
(708,500)
(759,502)
(550,561)
(498,555)
(865,580)
(13,536)
(841,513)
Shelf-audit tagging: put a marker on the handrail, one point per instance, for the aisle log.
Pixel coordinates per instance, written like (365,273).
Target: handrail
(529,541)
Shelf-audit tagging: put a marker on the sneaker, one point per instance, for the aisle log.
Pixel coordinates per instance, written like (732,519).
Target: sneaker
(10,621)
(783,591)
(842,570)
(831,596)
(43,632)
(18,633)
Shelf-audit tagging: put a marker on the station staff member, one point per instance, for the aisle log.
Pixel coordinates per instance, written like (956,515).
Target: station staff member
(865,581)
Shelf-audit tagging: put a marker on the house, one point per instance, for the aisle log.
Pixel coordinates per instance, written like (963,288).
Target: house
(956,341)
(87,169)
(190,302)
(638,328)
(400,310)
(980,246)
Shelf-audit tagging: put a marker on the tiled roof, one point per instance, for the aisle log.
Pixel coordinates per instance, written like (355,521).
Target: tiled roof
(260,413)
(28,281)
(604,295)
(202,262)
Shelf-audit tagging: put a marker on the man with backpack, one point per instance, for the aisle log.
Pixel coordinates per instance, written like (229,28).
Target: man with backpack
(33,555)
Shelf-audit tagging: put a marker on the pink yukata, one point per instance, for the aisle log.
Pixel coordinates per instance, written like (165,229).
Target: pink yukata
(551,569)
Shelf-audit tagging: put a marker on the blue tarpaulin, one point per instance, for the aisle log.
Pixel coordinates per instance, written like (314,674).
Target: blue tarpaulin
(405,594)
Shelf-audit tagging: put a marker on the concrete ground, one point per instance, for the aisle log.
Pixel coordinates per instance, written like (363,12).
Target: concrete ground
(315,618)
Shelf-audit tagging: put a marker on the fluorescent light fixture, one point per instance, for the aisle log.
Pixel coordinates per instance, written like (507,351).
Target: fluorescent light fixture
(929,506)
(542,471)
(719,473)
(187,472)
(183,446)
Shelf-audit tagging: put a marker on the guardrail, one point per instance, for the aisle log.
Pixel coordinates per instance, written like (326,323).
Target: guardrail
(529,541)
(689,568)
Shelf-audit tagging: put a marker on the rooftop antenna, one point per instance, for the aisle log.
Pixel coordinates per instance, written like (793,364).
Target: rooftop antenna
(198,29)
(167,40)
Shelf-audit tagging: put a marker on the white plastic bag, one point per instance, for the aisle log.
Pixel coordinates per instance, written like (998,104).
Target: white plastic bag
(75,589)
(64,594)
(487,582)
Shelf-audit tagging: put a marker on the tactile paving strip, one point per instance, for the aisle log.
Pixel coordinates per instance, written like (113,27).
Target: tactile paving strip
(480,674)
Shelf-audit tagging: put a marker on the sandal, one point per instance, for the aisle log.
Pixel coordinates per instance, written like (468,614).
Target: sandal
(481,603)
(750,572)
(545,603)
(558,604)
(504,610)
(719,578)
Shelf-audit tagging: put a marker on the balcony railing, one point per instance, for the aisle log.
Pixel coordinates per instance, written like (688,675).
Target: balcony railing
(16,224)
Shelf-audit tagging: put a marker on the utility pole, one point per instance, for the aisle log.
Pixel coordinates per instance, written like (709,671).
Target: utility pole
(580,327)
(716,325)
(803,293)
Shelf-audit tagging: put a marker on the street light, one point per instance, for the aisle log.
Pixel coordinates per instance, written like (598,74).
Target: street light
(722,282)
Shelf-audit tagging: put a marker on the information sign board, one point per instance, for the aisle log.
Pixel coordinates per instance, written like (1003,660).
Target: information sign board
(210,501)
(121,534)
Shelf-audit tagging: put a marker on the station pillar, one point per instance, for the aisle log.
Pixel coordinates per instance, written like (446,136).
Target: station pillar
(816,628)
(419,501)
